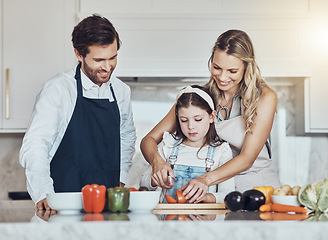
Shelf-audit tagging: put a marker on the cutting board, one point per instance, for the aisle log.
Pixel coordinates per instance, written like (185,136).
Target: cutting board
(190,208)
(193,206)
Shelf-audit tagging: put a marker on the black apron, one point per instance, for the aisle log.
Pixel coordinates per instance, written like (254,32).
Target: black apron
(90,149)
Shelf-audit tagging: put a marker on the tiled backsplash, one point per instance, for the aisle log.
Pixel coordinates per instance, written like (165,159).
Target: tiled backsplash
(299,159)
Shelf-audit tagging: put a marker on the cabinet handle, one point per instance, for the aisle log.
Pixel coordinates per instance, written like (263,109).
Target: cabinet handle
(7,93)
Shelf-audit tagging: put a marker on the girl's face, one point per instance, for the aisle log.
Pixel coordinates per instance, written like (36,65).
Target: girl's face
(227,71)
(195,123)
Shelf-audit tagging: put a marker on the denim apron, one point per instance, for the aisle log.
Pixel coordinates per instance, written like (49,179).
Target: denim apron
(90,149)
(184,173)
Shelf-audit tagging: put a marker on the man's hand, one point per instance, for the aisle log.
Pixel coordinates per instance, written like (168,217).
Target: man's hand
(43,205)
(45,215)
(161,172)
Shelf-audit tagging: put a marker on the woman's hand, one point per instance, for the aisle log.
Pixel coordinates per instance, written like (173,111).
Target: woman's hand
(195,190)
(161,172)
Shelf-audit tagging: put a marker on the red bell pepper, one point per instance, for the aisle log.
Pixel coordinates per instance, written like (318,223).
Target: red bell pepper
(98,217)
(94,198)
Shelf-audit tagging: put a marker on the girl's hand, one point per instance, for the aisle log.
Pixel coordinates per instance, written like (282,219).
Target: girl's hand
(208,198)
(161,172)
(195,190)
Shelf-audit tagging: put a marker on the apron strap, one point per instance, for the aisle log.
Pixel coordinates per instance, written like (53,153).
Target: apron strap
(78,80)
(112,90)
(175,150)
(209,160)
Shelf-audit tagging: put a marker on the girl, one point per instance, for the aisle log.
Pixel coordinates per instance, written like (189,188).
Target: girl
(245,116)
(195,148)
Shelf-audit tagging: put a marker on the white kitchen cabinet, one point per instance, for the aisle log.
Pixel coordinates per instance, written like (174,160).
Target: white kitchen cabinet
(35,40)
(174,38)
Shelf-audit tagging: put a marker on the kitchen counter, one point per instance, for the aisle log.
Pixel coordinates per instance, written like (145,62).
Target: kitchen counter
(19,220)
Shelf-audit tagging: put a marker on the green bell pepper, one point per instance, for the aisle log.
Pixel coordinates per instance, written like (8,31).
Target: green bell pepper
(118,199)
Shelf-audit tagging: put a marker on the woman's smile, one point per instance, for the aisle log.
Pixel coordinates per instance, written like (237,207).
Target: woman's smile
(223,83)
(227,71)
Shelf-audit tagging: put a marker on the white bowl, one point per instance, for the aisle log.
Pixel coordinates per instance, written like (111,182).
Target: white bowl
(140,216)
(287,200)
(66,202)
(64,218)
(143,200)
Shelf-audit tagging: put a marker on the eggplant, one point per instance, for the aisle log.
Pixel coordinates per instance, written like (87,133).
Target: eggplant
(253,200)
(234,201)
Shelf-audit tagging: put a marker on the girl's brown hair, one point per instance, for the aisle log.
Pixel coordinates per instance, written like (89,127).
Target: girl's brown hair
(193,99)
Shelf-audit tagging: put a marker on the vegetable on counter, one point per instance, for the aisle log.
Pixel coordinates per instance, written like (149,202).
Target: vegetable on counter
(276,207)
(278,216)
(118,199)
(180,198)
(253,200)
(267,191)
(314,196)
(170,199)
(266,207)
(318,217)
(286,190)
(250,200)
(234,201)
(94,198)
(93,217)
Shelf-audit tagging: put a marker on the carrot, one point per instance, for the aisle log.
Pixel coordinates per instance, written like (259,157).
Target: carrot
(278,216)
(276,207)
(265,207)
(266,216)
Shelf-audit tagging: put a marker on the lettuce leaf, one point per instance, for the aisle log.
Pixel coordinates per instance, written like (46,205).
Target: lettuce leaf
(314,196)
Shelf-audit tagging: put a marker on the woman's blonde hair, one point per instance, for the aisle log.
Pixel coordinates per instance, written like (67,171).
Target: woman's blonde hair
(238,44)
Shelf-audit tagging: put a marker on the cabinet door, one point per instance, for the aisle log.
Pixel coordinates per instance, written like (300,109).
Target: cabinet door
(33,40)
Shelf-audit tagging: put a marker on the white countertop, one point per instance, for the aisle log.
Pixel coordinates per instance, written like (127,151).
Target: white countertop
(16,224)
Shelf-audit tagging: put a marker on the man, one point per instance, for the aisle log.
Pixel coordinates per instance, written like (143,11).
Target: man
(81,130)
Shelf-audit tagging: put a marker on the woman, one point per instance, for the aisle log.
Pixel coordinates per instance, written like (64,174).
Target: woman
(244,119)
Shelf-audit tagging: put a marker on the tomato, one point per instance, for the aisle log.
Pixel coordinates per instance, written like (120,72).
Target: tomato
(181,198)
(132,189)
(170,217)
(182,217)
(170,199)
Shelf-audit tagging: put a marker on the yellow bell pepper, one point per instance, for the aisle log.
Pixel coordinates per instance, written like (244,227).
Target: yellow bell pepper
(267,191)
